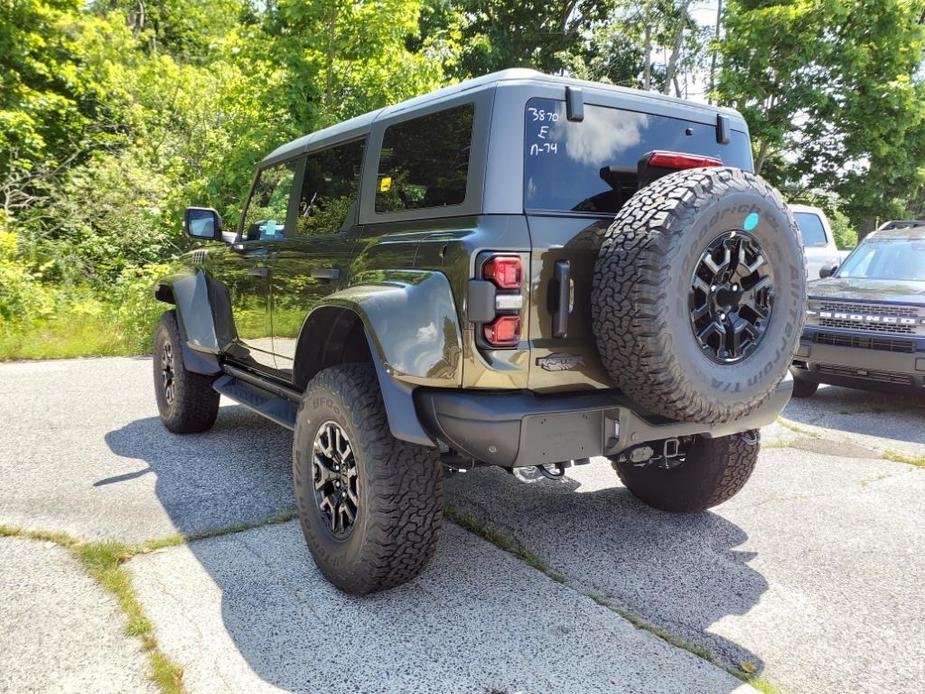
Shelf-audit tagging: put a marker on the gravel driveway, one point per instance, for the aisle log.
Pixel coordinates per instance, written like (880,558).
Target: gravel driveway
(812,576)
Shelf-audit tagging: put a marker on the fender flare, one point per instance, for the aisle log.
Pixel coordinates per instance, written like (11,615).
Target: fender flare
(189,293)
(412,328)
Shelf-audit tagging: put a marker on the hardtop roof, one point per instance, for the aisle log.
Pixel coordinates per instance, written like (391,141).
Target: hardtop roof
(913,233)
(359,125)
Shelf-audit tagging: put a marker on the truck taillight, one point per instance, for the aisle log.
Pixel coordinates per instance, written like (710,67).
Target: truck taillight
(502,322)
(680,160)
(506,271)
(504,331)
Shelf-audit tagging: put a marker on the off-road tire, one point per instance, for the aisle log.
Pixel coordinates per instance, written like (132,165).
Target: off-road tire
(398,519)
(804,387)
(711,472)
(193,404)
(642,286)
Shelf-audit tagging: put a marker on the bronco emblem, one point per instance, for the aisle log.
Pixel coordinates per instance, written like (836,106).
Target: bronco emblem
(560,361)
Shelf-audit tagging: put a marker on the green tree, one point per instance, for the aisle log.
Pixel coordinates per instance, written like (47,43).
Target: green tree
(833,96)
(46,106)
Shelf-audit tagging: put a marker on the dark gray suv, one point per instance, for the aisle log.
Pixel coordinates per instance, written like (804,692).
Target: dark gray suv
(522,271)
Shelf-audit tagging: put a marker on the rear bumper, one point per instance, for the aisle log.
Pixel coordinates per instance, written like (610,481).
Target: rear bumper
(861,360)
(522,428)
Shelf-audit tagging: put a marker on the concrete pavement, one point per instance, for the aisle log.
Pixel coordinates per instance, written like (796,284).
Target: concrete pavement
(812,575)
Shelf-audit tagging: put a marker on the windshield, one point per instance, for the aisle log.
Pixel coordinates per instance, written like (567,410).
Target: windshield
(590,165)
(887,259)
(811,228)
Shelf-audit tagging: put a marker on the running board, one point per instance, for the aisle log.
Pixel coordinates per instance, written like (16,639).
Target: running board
(274,407)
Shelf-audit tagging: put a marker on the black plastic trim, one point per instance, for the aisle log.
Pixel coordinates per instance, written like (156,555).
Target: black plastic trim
(521,428)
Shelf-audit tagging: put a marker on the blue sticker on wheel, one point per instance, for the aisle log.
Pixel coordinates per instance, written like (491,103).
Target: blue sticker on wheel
(751,221)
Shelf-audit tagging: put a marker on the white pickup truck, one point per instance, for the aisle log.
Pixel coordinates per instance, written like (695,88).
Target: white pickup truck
(818,242)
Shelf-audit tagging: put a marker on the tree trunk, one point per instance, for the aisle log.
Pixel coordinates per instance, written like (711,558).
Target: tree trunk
(331,26)
(672,69)
(719,20)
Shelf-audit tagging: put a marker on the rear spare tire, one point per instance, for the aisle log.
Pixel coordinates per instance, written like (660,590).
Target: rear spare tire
(698,295)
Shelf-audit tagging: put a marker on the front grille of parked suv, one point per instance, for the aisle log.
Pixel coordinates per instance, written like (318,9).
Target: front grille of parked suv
(880,318)
(876,342)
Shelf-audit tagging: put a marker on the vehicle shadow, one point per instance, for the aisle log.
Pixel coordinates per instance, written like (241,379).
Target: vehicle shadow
(237,472)
(681,573)
(456,627)
(871,413)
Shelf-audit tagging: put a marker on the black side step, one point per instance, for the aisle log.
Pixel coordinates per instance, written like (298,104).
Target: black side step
(274,407)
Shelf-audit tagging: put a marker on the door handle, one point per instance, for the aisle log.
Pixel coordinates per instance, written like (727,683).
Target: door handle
(325,273)
(259,271)
(563,281)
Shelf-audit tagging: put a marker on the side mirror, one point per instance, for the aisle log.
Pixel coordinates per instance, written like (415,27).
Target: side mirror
(827,270)
(203,223)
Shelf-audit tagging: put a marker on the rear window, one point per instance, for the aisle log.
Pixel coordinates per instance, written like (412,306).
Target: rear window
(425,161)
(590,166)
(811,228)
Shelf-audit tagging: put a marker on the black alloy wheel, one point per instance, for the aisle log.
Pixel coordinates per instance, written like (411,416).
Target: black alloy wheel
(731,297)
(335,477)
(167,372)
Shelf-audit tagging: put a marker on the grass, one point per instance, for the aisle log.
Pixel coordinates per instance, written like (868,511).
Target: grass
(779,443)
(104,562)
(916,460)
(793,426)
(745,672)
(65,336)
(506,542)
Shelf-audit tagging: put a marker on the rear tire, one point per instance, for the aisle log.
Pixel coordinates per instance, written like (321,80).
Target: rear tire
(712,471)
(370,506)
(186,401)
(804,387)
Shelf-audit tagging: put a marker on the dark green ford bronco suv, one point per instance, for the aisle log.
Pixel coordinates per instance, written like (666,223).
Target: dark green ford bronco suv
(521,271)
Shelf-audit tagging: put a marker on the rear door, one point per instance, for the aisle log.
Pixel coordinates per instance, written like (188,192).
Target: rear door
(577,175)
(313,260)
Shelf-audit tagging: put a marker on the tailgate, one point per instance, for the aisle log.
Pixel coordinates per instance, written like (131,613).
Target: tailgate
(560,361)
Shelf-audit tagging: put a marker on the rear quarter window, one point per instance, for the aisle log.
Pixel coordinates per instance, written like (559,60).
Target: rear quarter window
(425,161)
(590,166)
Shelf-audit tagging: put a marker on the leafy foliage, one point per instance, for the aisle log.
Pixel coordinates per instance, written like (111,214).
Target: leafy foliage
(833,92)
(116,114)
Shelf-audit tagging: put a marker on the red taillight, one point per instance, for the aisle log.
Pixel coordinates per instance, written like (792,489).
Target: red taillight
(678,160)
(503,331)
(505,271)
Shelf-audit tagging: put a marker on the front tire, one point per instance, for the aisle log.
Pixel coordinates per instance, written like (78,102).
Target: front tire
(804,387)
(186,401)
(710,472)
(370,506)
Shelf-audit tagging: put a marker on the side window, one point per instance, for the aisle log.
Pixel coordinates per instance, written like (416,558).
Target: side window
(329,189)
(425,161)
(267,211)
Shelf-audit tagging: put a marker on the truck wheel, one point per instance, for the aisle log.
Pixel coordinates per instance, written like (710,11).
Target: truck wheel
(698,295)
(186,401)
(370,505)
(708,473)
(804,387)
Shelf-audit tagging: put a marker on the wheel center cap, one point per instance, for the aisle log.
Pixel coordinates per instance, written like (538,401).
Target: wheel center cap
(727,297)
